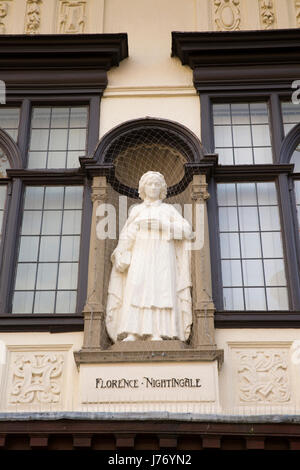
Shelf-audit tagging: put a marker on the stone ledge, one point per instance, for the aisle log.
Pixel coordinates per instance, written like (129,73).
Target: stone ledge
(98,356)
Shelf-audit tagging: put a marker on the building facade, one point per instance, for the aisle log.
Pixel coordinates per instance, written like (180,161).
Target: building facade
(95,93)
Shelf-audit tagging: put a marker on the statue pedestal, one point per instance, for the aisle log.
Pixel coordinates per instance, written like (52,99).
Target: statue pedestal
(169,377)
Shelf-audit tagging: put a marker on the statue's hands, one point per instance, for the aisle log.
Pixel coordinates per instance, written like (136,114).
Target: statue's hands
(122,261)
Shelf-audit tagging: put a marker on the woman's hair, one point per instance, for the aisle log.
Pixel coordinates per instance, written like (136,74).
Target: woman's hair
(145,178)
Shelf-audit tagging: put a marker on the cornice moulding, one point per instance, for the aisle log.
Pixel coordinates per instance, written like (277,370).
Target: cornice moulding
(60,59)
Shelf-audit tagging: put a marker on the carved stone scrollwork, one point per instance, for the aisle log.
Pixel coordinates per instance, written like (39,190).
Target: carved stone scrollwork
(36,378)
(199,190)
(297,8)
(33,16)
(3,13)
(263,376)
(267,14)
(227,15)
(72,17)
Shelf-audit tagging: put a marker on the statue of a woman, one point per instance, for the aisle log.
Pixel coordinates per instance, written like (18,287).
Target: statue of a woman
(149,291)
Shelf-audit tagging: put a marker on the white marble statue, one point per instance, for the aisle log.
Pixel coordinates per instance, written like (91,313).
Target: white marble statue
(149,295)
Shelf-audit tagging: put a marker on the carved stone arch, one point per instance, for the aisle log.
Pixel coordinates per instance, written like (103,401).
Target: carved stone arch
(289,144)
(174,135)
(11,150)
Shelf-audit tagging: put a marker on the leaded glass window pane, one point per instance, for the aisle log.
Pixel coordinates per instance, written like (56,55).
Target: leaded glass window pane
(252,261)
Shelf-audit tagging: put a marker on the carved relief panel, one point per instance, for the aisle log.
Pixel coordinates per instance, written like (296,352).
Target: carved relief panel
(72,16)
(261,376)
(35,378)
(297,8)
(267,14)
(33,16)
(227,15)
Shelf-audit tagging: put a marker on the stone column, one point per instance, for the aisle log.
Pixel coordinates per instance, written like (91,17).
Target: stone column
(95,336)
(203,336)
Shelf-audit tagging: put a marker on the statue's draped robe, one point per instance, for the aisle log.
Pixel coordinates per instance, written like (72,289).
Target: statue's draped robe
(152,296)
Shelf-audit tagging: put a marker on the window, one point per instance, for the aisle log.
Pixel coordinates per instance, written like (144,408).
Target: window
(44,264)
(47,269)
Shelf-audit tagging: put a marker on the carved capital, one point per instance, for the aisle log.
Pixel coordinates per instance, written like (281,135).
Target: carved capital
(267,14)
(227,15)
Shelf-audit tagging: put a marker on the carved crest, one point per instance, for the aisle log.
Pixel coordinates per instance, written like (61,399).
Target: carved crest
(227,14)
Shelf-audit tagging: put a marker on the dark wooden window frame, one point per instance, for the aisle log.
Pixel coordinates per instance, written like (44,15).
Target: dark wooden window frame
(56,70)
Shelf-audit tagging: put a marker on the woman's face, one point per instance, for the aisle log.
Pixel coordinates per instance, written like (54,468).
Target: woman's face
(153,188)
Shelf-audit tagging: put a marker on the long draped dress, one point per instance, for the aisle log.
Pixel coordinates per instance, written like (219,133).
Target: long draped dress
(152,296)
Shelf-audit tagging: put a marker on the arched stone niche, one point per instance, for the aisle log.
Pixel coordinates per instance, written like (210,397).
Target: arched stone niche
(118,162)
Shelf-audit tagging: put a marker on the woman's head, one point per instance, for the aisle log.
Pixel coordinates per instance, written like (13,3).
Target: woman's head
(152,177)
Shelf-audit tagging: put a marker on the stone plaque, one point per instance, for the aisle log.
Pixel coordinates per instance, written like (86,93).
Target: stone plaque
(148,385)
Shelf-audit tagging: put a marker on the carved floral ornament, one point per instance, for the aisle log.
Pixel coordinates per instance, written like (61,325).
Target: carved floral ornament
(72,17)
(37,378)
(263,376)
(227,14)
(267,13)
(33,16)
